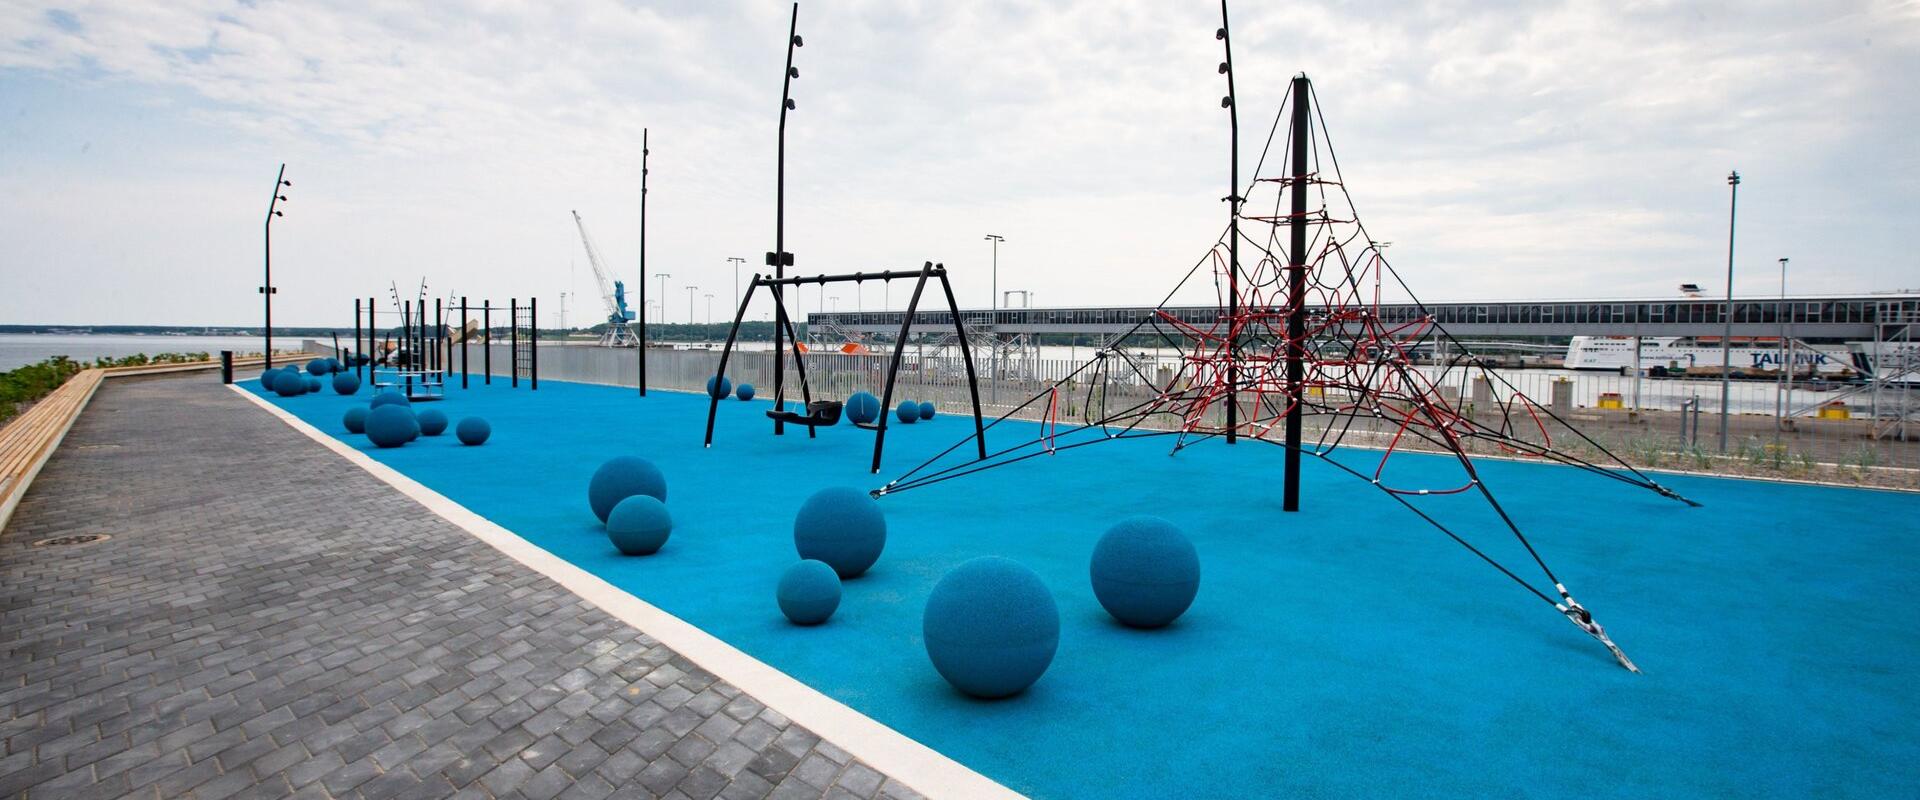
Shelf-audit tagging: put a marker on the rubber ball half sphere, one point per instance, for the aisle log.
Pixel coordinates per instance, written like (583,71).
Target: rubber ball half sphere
(317,367)
(862,408)
(345,383)
(621,478)
(843,527)
(809,592)
(926,410)
(472,431)
(1145,572)
(388,398)
(313,384)
(908,412)
(639,525)
(433,422)
(991,627)
(391,426)
(719,386)
(355,420)
(744,391)
(289,383)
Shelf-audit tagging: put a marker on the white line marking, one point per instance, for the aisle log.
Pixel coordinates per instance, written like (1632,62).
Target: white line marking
(895,755)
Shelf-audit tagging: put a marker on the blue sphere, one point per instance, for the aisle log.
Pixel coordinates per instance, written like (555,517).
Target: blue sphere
(926,410)
(744,392)
(289,383)
(622,478)
(473,431)
(862,408)
(266,377)
(991,627)
(809,592)
(718,387)
(313,384)
(433,422)
(842,526)
(355,420)
(389,397)
(361,359)
(908,412)
(317,367)
(1145,572)
(639,525)
(345,383)
(391,426)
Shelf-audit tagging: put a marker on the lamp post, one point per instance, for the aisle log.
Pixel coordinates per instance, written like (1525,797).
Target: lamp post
(737,261)
(662,276)
(993,316)
(691,289)
(995,299)
(267,289)
(1726,332)
(1782,401)
(709,296)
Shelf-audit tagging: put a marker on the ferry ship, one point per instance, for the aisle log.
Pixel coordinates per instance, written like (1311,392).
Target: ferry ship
(1675,353)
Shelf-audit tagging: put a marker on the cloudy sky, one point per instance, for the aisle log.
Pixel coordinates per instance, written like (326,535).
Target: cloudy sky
(1508,149)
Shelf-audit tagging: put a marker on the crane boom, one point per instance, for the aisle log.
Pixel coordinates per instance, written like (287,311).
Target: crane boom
(619,318)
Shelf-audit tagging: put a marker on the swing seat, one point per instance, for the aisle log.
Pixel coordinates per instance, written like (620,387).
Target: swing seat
(820,413)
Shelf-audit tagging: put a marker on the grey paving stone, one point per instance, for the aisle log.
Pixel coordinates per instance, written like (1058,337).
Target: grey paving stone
(271,621)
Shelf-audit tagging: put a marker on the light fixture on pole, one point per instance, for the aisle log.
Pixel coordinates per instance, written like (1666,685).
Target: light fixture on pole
(737,261)
(267,289)
(1726,314)
(994,299)
(709,296)
(662,276)
(1783,391)
(691,289)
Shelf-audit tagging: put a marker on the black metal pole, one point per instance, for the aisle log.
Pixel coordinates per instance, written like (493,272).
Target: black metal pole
(1233,237)
(439,335)
(713,403)
(351,360)
(1297,291)
(372,373)
(267,289)
(641,349)
(893,371)
(533,341)
(779,259)
(486,355)
(464,355)
(513,339)
(966,355)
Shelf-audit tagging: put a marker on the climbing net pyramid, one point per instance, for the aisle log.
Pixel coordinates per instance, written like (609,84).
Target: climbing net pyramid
(1359,388)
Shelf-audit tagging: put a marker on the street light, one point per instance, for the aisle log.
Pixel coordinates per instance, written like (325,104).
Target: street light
(995,298)
(709,296)
(690,291)
(663,295)
(1781,395)
(737,261)
(267,289)
(1726,334)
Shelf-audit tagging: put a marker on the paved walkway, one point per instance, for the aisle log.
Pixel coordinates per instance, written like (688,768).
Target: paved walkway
(268,620)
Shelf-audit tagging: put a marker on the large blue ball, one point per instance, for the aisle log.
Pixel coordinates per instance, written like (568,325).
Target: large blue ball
(991,627)
(355,420)
(345,383)
(289,383)
(391,426)
(718,387)
(926,410)
(908,412)
(842,526)
(639,525)
(266,377)
(1145,572)
(473,431)
(744,392)
(389,397)
(433,422)
(313,384)
(862,408)
(622,478)
(809,592)
(317,367)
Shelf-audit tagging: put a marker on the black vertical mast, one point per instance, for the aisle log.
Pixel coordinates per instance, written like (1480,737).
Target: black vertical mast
(780,259)
(1233,200)
(642,347)
(1302,134)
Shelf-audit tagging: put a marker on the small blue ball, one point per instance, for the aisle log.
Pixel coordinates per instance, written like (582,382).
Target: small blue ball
(317,367)
(639,525)
(313,384)
(621,478)
(718,387)
(391,426)
(345,383)
(842,526)
(991,627)
(473,431)
(908,412)
(862,408)
(1145,572)
(744,392)
(926,410)
(355,420)
(433,422)
(809,592)
(289,384)
(389,397)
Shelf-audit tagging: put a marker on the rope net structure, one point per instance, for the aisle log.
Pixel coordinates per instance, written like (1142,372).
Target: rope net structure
(1173,373)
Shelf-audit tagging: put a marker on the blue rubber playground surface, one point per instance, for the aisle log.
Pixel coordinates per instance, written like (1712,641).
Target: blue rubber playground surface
(1349,650)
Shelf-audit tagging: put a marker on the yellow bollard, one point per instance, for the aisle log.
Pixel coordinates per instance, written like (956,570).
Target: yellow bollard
(1835,410)
(1611,400)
